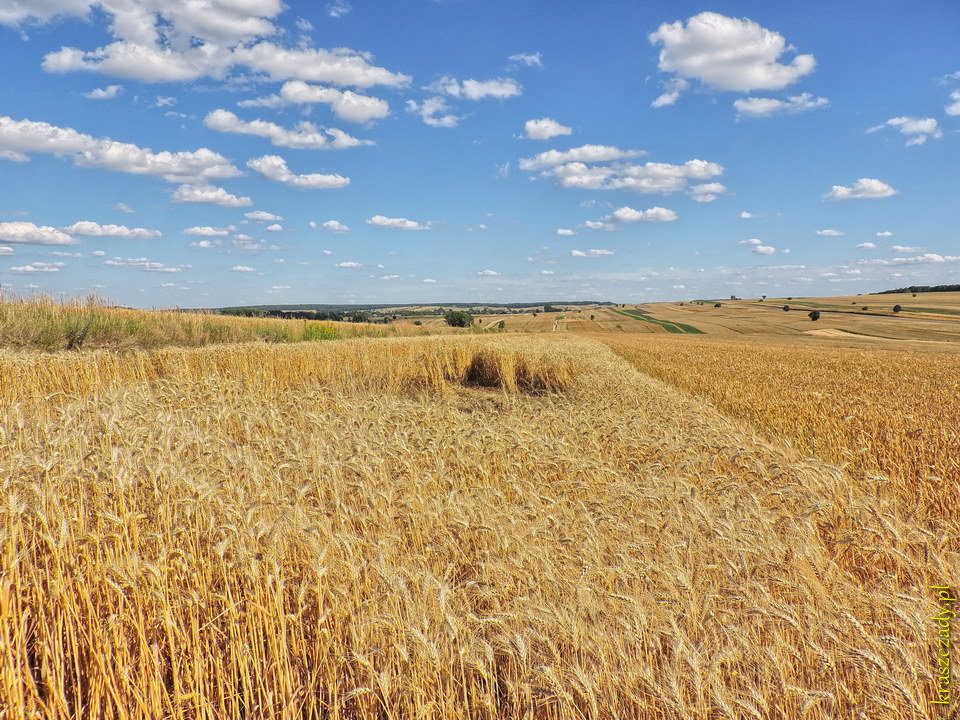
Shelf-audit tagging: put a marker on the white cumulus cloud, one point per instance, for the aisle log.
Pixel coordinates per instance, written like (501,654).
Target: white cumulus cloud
(544,129)
(182,40)
(600,225)
(753,107)
(651,177)
(629,215)
(144,265)
(335,226)
(954,107)
(261,216)
(924,259)
(594,252)
(305,136)
(672,89)
(338,8)
(867,246)
(707,192)
(274,167)
(242,268)
(26,136)
(208,195)
(582,154)
(916,130)
(207,231)
(38,267)
(345,104)
(28,233)
(829,232)
(105,93)
(92,229)
(565,231)
(434,112)
(862,189)
(397,223)
(500,88)
(528,59)
(727,53)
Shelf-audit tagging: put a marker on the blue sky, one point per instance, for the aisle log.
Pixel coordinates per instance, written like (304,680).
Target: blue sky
(172,152)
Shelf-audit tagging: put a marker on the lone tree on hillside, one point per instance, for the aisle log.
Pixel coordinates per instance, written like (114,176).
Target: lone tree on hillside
(716,305)
(786,308)
(897,308)
(814,315)
(458,318)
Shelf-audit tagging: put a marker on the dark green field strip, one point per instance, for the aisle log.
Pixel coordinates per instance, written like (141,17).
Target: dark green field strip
(676,328)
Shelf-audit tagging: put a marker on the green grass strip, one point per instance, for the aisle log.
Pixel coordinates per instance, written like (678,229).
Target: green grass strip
(677,328)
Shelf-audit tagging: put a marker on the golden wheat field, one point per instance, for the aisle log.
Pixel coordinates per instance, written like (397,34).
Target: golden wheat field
(503,526)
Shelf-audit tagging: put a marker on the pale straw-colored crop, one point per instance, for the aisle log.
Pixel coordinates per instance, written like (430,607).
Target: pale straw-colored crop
(455,527)
(42,323)
(880,413)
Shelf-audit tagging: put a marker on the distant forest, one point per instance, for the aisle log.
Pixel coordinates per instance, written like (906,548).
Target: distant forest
(920,289)
(381,313)
(357,316)
(347,308)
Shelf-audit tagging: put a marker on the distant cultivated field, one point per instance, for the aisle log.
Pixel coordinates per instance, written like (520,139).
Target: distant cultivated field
(627,523)
(839,318)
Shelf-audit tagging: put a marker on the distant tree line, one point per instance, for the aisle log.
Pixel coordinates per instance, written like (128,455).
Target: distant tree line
(920,289)
(358,316)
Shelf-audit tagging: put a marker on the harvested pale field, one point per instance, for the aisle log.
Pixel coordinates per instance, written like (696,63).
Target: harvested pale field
(936,305)
(751,318)
(483,527)
(604,320)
